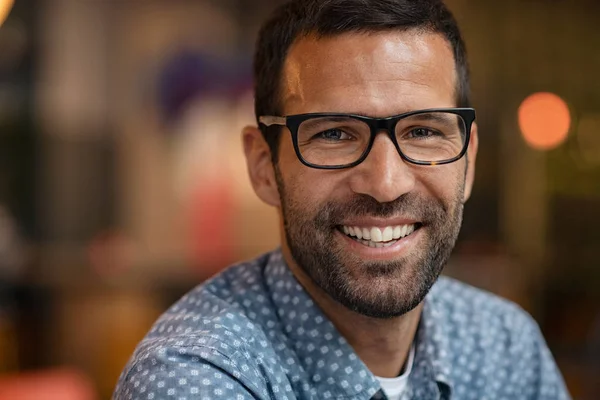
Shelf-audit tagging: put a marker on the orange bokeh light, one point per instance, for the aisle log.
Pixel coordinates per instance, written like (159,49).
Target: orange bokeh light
(5,6)
(544,119)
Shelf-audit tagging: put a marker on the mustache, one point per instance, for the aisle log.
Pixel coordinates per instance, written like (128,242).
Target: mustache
(362,205)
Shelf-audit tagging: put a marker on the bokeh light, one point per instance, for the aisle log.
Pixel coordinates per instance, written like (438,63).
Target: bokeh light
(5,7)
(544,120)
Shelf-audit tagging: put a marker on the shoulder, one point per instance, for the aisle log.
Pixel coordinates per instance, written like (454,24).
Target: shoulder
(471,316)
(461,302)
(493,343)
(207,330)
(216,305)
(218,311)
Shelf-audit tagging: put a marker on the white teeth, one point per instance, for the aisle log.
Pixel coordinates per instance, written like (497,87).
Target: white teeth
(376,235)
(387,234)
(358,232)
(366,234)
(403,231)
(378,245)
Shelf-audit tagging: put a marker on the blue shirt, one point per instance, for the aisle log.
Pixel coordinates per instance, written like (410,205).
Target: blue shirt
(252,332)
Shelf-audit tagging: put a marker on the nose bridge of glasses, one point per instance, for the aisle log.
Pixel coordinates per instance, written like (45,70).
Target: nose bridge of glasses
(383,136)
(384,125)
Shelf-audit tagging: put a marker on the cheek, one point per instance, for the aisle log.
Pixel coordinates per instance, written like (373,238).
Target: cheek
(294,176)
(288,162)
(445,182)
(306,187)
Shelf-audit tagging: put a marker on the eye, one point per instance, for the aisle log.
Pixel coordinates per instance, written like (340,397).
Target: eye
(422,133)
(333,135)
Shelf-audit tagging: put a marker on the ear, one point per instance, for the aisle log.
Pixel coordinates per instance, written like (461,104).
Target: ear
(260,167)
(471,158)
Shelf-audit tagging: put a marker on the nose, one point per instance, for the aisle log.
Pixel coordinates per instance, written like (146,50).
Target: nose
(383,175)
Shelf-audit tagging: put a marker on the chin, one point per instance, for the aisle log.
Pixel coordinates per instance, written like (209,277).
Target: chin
(385,291)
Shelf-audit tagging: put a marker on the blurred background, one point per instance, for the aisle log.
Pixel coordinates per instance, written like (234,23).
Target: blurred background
(123,184)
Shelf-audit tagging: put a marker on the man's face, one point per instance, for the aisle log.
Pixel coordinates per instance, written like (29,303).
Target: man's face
(377,75)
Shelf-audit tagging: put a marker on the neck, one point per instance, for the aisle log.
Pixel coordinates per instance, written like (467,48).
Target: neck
(382,344)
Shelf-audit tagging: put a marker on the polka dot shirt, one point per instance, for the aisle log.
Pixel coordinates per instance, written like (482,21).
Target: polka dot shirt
(252,332)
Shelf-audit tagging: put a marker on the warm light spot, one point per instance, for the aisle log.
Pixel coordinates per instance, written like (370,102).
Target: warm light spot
(5,6)
(544,119)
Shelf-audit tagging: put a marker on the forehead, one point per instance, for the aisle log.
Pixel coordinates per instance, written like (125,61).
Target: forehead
(377,74)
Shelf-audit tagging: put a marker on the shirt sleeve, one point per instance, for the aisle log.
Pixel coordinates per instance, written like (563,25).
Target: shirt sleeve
(187,373)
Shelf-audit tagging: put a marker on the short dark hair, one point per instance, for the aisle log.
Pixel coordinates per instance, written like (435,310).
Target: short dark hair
(297,19)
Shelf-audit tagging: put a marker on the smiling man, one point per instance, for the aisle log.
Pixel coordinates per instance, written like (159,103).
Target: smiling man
(366,146)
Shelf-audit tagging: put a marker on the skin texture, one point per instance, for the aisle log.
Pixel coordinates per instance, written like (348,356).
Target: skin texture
(374,298)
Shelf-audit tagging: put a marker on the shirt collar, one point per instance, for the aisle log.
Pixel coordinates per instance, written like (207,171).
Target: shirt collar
(318,344)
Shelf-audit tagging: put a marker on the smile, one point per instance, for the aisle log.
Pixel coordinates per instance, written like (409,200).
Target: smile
(379,237)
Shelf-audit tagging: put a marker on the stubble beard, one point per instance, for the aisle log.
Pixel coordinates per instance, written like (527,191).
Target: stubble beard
(377,289)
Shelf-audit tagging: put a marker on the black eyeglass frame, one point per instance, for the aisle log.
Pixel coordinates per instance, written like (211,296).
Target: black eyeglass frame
(388,124)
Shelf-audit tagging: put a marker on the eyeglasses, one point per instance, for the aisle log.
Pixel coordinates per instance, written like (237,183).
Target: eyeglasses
(336,141)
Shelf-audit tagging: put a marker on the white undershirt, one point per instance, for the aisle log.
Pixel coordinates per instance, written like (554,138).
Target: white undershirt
(394,387)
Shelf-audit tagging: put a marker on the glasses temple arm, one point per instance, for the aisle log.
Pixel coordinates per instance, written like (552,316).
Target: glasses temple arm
(269,120)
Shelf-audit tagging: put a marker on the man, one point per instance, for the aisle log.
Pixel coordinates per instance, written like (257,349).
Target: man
(366,146)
